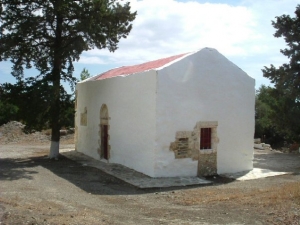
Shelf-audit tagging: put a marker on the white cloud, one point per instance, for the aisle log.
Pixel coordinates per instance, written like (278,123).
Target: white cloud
(167,27)
(91,60)
(242,32)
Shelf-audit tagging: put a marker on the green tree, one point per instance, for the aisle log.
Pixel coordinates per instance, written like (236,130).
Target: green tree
(276,116)
(32,100)
(263,112)
(267,126)
(286,78)
(8,111)
(51,34)
(84,74)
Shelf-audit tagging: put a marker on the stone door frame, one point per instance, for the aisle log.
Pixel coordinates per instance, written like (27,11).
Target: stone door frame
(104,124)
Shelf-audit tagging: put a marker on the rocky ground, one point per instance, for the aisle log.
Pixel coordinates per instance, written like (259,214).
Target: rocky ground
(13,133)
(36,190)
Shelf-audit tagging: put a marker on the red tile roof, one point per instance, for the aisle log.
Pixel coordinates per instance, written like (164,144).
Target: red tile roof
(127,70)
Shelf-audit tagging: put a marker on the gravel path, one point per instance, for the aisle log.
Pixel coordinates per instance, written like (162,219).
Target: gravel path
(36,190)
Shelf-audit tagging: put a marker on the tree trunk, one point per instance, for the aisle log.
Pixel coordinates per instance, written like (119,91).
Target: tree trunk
(55,113)
(55,124)
(54,149)
(56,73)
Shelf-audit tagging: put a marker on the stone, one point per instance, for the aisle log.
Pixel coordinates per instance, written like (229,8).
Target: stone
(257,140)
(12,132)
(258,146)
(207,164)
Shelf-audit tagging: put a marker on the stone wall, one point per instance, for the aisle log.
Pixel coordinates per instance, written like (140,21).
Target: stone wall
(183,145)
(187,145)
(207,165)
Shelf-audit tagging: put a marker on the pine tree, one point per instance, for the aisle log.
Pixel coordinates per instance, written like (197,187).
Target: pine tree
(286,78)
(84,74)
(51,34)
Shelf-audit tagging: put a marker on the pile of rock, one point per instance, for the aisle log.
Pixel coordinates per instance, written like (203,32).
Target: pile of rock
(261,146)
(292,148)
(12,132)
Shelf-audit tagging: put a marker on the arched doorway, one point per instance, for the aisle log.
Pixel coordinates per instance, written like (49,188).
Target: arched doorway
(104,135)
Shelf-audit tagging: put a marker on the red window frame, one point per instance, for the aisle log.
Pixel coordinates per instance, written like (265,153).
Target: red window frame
(205,138)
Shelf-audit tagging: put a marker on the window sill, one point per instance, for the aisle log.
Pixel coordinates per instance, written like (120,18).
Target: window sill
(207,151)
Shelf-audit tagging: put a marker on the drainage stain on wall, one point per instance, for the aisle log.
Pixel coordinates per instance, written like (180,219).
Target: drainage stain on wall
(76,137)
(83,117)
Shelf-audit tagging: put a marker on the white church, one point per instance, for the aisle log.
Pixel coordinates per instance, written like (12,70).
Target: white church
(186,115)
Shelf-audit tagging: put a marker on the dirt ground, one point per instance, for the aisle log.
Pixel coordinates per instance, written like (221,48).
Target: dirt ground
(36,190)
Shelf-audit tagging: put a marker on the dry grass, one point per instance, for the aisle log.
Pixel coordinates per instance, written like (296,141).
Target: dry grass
(272,196)
(47,132)
(280,204)
(13,201)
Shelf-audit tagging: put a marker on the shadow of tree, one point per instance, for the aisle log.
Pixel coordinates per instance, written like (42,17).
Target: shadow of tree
(89,179)
(95,181)
(15,169)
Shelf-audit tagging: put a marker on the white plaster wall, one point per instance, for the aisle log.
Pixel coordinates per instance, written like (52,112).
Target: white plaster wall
(205,87)
(131,107)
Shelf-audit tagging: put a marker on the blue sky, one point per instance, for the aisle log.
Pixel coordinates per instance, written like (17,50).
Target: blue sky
(241,30)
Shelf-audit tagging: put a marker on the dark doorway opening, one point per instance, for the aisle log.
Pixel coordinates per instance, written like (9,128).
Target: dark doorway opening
(104,141)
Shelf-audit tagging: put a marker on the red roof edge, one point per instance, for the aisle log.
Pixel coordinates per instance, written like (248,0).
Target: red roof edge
(127,70)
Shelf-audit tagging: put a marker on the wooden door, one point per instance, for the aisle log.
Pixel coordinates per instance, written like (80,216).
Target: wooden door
(104,140)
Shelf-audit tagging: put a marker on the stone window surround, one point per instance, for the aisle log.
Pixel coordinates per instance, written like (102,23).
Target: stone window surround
(193,137)
(214,137)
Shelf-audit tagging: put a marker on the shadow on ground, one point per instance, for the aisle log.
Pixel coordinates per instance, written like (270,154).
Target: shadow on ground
(95,181)
(89,179)
(277,161)
(15,169)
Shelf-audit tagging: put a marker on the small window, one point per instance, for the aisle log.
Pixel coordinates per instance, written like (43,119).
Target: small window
(205,138)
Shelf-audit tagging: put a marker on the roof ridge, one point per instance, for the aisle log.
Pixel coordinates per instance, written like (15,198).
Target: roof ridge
(132,69)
